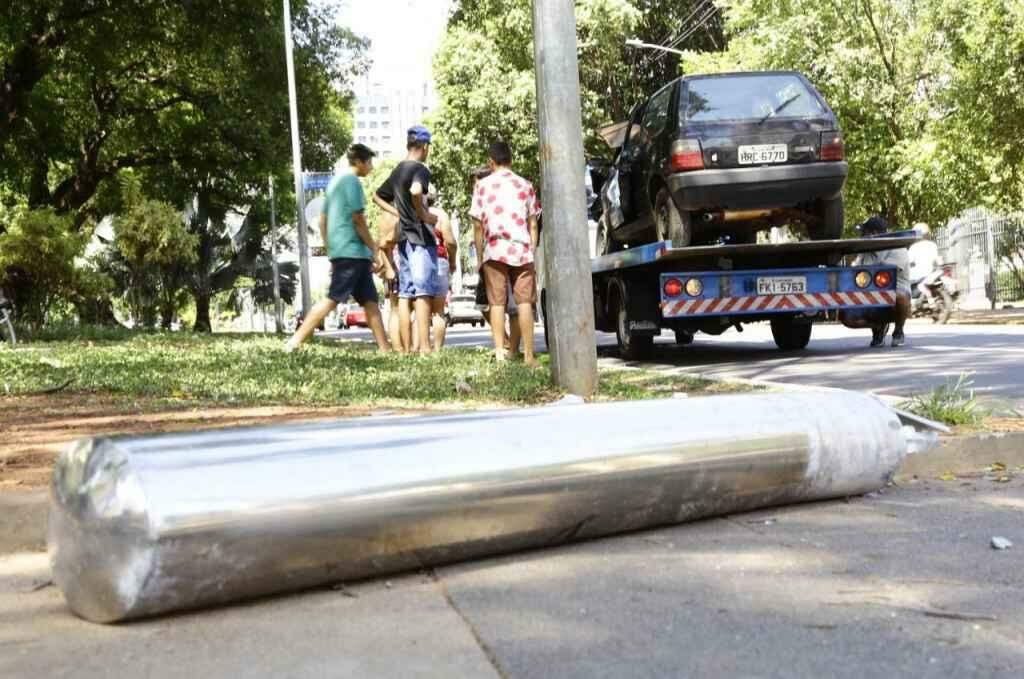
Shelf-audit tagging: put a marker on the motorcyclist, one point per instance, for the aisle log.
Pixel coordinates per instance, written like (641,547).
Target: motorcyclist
(879,319)
(925,265)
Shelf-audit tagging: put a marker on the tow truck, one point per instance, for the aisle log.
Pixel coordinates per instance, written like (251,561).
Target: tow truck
(712,288)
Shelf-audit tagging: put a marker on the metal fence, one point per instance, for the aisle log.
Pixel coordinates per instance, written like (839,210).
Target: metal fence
(987,252)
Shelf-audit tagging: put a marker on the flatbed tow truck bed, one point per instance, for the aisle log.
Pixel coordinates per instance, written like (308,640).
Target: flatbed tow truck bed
(642,290)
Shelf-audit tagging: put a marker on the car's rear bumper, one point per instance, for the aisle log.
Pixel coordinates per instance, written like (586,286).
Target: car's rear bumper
(757,187)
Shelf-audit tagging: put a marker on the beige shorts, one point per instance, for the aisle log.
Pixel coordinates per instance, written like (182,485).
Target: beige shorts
(499,276)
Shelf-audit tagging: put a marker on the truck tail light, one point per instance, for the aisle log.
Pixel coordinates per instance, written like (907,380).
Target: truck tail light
(686,155)
(862,279)
(673,287)
(832,146)
(883,279)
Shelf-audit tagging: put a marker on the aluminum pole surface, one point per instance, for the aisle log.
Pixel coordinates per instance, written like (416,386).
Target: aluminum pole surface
(278,312)
(300,207)
(144,525)
(570,298)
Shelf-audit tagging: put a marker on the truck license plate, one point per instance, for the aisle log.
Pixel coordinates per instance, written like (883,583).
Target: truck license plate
(781,285)
(763,154)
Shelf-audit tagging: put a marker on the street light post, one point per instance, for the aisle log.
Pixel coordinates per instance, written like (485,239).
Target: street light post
(300,208)
(639,44)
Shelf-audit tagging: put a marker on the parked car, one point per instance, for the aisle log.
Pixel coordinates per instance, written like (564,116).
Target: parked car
(717,158)
(355,315)
(462,309)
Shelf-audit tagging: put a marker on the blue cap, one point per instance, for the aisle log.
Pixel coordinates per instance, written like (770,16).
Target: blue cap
(418,135)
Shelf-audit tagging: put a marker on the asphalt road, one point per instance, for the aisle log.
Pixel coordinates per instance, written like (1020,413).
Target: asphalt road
(836,357)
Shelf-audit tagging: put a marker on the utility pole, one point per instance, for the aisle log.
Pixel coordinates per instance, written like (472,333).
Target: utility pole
(300,208)
(570,298)
(278,319)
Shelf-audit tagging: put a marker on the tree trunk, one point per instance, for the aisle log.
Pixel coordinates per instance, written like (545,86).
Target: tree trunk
(166,315)
(96,312)
(202,312)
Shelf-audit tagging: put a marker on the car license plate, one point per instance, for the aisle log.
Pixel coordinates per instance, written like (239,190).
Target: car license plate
(763,154)
(781,285)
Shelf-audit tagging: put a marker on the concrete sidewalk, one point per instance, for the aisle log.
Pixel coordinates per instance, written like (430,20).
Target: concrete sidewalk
(899,583)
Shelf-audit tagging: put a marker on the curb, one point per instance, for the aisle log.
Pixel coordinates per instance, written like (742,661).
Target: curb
(23,515)
(960,455)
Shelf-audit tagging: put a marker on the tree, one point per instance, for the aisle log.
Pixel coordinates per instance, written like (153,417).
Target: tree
(156,247)
(92,87)
(37,261)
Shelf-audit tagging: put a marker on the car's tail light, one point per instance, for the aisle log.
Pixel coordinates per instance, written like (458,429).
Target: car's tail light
(673,287)
(883,279)
(832,145)
(686,155)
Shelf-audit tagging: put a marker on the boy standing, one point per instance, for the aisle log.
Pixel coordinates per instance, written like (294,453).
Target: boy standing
(404,195)
(350,247)
(504,212)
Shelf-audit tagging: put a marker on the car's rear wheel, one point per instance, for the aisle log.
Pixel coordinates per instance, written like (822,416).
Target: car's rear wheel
(830,215)
(670,223)
(605,243)
(790,335)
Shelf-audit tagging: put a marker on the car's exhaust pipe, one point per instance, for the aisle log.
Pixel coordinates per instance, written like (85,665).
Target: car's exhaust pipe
(737,215)
(145,525)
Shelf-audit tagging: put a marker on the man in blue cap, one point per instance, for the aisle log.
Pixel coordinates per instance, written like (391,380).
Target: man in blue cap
(404,195)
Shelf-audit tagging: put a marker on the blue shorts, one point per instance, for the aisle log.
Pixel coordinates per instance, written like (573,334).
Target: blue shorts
(444,278)
(352,278)
(417,271)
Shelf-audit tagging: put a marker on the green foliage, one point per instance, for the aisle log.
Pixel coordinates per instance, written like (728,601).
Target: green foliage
(184,89)
(153,242)
(37,261)
(191,370)
(928,93)
(953,403)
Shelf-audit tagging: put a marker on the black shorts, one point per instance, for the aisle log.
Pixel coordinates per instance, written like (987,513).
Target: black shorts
(352,278)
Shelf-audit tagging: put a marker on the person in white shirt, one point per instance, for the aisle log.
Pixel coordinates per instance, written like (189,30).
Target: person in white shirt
(925,263)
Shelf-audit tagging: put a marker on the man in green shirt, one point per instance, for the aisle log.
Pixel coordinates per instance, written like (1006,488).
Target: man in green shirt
(352,250)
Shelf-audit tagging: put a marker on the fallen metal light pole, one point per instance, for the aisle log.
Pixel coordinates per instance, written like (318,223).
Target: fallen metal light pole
(145,525)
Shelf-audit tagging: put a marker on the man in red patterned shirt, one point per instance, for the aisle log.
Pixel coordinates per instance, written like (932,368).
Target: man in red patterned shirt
(504,212)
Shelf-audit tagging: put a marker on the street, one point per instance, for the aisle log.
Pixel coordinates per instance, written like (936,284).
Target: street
(837,357)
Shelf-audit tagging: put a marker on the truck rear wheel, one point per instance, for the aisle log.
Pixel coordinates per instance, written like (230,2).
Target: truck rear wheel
(632,347)
(790,335)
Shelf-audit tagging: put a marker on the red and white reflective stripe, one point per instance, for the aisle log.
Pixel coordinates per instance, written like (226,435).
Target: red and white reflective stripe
(797,302)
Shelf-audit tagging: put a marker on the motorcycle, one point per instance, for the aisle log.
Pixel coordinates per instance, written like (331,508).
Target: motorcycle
(943,298)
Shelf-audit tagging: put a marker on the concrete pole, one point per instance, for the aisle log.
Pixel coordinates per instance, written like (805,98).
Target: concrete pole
(300,207)
(278,318)
(570,298)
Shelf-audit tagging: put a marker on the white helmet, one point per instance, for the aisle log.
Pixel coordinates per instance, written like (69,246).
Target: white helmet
(922,229)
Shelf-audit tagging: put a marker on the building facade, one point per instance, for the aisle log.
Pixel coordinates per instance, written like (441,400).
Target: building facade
(384,112)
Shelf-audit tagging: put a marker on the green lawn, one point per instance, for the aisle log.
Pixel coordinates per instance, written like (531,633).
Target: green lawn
(186,370)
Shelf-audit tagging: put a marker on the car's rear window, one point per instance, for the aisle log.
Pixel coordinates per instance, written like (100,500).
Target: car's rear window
(748,97)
